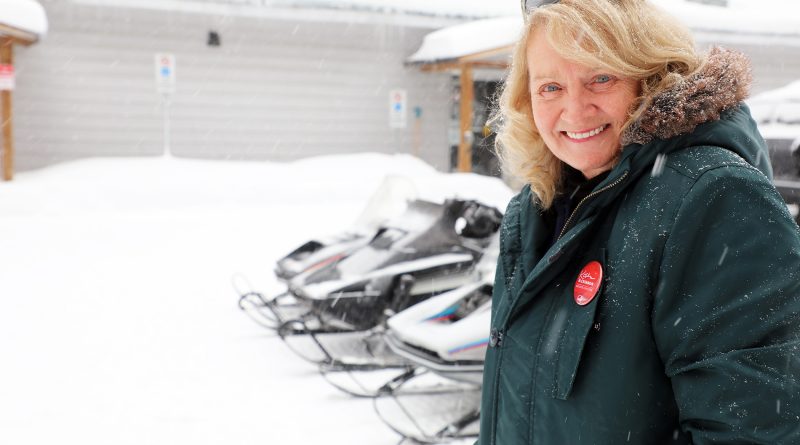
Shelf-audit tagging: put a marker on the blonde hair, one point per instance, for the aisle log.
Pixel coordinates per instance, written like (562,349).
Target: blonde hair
(630,38)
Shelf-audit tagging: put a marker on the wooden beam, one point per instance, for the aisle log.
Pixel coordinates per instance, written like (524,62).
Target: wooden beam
(456,66)
(483,55)
(7,146)
(20,36)
(439,67)
(466,137)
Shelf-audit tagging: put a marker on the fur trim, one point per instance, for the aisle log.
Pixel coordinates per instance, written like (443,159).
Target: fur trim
(721,83)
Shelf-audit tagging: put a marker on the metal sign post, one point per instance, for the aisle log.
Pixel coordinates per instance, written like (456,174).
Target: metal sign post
(165,102)
(165,85)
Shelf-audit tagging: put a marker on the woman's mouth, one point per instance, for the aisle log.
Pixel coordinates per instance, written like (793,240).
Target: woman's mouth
(586,134)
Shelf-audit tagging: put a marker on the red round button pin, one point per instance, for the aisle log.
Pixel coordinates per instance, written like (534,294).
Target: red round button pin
(588,283)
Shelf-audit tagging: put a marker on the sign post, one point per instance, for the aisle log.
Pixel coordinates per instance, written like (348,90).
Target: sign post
(165,85)
(6,86)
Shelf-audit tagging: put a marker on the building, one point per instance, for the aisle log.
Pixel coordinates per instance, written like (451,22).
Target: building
(286,79)
(255,79)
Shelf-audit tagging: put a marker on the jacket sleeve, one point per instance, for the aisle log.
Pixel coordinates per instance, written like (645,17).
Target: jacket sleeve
(726,311)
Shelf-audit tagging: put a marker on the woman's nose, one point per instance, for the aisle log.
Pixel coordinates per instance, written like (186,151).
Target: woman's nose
(578,107)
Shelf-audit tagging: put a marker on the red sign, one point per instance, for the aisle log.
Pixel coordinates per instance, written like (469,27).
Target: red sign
(588,283)
(6,77)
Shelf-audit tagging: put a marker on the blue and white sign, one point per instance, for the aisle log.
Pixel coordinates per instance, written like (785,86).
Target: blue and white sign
(165,73)
(398,109)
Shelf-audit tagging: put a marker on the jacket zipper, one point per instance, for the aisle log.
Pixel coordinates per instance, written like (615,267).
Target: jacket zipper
(590,195)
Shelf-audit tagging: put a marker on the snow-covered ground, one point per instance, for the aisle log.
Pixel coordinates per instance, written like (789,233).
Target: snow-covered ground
(118,323)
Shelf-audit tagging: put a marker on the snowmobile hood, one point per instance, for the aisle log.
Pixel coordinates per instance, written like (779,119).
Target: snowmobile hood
(425,230)
(434,325)
(338,288)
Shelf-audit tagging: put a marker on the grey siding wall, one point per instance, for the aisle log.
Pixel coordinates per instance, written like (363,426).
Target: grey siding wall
(274,90)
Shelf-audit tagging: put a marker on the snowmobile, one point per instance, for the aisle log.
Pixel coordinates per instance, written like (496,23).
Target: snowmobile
(336,313)
(449,333)
(435,398)
(440,320)
(389,201)
(428,250)
(446,335)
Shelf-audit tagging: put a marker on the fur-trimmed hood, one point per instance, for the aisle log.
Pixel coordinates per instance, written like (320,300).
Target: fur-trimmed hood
(721,84)
(705,109)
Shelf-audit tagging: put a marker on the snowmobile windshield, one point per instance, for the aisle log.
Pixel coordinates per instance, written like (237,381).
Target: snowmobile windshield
(389,201)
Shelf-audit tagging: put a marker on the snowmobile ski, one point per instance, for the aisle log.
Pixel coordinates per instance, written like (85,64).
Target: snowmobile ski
(430,418)
(339,350)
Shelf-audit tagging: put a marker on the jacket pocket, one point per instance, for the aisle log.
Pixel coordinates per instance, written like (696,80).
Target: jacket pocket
(576,329)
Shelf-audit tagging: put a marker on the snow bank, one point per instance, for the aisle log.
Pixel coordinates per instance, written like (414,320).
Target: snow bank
(27,15)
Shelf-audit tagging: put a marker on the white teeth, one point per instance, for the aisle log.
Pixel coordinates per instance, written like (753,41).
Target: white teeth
(588,134)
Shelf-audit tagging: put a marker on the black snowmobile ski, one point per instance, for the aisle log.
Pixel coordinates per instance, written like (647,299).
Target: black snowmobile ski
(369,383)
(270,312)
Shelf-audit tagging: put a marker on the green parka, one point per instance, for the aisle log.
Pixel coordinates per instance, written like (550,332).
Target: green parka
(694,335)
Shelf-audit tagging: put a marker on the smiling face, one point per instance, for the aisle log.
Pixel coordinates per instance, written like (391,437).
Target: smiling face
(578,110)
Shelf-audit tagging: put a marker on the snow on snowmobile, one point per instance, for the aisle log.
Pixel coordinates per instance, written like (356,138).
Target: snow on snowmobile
(428,250)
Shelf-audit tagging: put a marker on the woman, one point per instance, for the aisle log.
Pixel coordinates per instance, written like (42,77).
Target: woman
(648,289)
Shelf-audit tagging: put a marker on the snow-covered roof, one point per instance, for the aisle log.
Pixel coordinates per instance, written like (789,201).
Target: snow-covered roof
(468,38)
(776,21)
(24,19)
(740,22)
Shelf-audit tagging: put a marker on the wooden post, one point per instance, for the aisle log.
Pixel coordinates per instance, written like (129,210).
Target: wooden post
(466,137)
(7,145)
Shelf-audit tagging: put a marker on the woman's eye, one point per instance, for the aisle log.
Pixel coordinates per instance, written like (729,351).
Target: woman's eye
(603,78)
(550,88)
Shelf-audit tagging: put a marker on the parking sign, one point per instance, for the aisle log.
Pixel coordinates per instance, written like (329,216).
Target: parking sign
(397,108)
